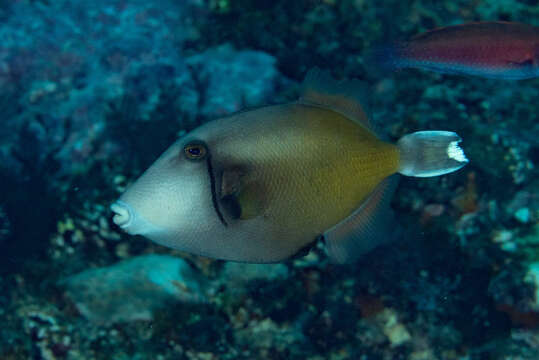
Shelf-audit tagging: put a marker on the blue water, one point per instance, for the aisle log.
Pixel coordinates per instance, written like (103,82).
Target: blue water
(92,92)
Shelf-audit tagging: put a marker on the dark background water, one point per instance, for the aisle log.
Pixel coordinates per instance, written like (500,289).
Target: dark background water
(91,94)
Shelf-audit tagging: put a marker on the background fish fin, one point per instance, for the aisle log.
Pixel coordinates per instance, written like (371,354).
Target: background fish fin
(366,228)
(521,64)
(347,97)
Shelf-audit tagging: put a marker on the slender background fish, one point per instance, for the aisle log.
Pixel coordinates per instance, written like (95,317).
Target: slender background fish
(265,185)
(501,50)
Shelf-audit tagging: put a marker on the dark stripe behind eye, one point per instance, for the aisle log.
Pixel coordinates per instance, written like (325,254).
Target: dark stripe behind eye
(214,193)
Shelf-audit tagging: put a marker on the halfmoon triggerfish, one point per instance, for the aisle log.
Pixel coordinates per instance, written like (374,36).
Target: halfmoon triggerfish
(264,185)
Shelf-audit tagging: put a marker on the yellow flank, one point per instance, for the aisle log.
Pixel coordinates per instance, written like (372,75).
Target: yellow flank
(316,167)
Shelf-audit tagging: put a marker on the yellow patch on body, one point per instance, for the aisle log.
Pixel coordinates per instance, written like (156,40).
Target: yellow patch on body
(312,166)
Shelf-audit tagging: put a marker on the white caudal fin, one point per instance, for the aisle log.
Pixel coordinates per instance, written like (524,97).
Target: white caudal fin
(430,153)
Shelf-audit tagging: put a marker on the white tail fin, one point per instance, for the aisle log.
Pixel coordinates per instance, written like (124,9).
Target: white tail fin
(430,153)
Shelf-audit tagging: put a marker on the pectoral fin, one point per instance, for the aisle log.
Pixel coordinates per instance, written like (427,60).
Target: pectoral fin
(240,199)
(251,200)
(366,228)
(231,206)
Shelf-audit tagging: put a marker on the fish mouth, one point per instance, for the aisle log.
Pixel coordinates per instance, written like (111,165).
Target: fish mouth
(123,215)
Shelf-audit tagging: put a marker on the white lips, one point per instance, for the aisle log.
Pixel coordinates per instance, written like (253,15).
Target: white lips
(130,221)
(122,214)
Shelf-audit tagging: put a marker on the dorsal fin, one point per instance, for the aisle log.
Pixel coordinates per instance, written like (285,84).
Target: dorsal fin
(346,97)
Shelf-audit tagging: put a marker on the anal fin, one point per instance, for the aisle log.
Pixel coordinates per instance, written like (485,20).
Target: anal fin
(366,228)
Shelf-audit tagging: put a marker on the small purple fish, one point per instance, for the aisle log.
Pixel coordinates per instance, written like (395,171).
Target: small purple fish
(499,50)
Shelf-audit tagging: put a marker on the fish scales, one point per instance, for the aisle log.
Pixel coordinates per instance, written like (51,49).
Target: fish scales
(264,185)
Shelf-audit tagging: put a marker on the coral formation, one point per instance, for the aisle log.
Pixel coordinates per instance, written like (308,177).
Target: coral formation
(92,92)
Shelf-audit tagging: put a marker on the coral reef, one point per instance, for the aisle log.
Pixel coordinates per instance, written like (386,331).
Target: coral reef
(92,92)
(149,282)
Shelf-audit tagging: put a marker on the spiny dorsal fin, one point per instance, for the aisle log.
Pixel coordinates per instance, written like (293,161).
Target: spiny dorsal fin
(346,97)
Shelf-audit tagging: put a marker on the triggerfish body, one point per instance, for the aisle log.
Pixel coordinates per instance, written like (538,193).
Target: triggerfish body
(265,185)
(500,50)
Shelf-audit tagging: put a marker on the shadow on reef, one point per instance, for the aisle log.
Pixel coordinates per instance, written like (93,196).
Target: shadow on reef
(36,191)
(30,201)
(430,277)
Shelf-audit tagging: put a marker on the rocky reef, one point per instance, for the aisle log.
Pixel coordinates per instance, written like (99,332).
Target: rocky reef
(92,92)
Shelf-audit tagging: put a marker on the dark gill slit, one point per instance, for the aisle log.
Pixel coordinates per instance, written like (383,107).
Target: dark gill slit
(214,193)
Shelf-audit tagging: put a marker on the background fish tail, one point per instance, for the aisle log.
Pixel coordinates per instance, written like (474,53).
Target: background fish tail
(384,58)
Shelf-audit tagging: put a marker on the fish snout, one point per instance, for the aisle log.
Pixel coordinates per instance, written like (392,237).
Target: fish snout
(123,214)
(130,220)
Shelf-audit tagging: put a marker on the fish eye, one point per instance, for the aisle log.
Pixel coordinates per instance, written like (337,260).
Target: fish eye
(195,151)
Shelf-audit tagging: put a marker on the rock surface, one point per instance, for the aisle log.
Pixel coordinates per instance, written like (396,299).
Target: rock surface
(132,289)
